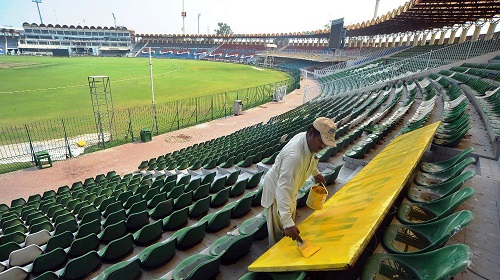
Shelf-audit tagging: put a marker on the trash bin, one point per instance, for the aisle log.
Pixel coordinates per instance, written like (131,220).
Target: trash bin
(146,135)
(238,107)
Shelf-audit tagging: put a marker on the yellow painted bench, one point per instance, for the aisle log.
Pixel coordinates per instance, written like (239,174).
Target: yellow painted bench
(349,218)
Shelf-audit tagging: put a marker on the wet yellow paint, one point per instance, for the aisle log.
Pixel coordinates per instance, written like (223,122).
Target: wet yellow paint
(349,218)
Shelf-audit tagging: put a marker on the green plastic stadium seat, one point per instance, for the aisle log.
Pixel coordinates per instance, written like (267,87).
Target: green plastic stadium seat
(197,267)
(218,220)
(80,267)
(417,193)
(254,180)
(83,245)
(137,207)
(49,261)
(176,219)
(176,192)
(220,198)
(113,232)
(234,247)
(162,209)
(442,263)
(240,207)
(137,220)
(62,240)
(412,239)
(201,192)
(184,180)
(425,212)
(199,208)
(157,254)
(156,199)
(331,176)
(6,249)
(238,188)
(218,184)
(112,207)
(232,177)
(193,185)
(16,237)
(88,228)
(115,217)
(426,179)
(148,233)
(70,225)
(125,270)
(189,236)
(433,167)
(183,200)
(45,225)
(117,248)
(255,226)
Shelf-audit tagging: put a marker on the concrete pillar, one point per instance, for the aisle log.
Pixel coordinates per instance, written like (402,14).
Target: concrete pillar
(424,39)
(392,44)
(433,38)
(415,39)
(386,45)
(408,39)
(463,35)
(441,38)
(401,40)
(491,29)
(451,40)
(371,42)
(477,30)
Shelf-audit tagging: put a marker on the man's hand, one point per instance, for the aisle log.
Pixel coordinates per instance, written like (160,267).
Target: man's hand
(320,178)
(292,232)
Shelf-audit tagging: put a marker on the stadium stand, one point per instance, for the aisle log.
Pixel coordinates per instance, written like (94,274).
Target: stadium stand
(157,220)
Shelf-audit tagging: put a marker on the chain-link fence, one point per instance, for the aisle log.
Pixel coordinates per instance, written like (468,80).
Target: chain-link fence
(70,137)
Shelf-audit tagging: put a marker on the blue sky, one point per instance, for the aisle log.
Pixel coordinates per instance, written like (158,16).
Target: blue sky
(164,16)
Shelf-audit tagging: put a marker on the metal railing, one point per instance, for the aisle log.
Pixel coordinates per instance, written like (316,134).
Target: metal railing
(404,68)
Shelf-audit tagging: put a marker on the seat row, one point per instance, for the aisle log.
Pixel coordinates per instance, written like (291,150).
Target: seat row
(415,244)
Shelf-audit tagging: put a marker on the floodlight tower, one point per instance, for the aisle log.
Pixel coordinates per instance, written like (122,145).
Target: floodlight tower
(114,18)
(38,7)
(183,15)
(199,15)
(376,9)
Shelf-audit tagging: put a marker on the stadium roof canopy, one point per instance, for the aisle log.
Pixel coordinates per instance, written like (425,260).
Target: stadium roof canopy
(418,15)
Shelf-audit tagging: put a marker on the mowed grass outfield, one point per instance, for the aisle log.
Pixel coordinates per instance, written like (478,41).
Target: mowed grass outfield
(35,89)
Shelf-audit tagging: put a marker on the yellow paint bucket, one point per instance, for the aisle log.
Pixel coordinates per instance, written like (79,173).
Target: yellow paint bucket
(317,197)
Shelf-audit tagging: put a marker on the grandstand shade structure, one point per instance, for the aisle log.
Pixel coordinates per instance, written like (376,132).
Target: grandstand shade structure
(426,15)
(78,40)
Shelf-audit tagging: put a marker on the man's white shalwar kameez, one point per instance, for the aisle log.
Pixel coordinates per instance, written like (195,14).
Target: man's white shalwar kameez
(293,165)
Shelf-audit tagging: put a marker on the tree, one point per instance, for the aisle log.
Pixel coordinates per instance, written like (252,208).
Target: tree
(223,29)
(328,26)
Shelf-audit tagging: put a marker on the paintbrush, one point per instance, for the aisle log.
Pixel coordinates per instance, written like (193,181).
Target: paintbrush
(306,247)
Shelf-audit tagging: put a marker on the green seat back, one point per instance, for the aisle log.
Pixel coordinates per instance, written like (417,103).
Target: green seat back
(148,233)
(117,248)
(81,266)
(442,263)
(158,253)
(129,269)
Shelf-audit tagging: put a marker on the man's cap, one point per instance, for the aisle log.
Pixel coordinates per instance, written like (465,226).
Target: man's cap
(326,128)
